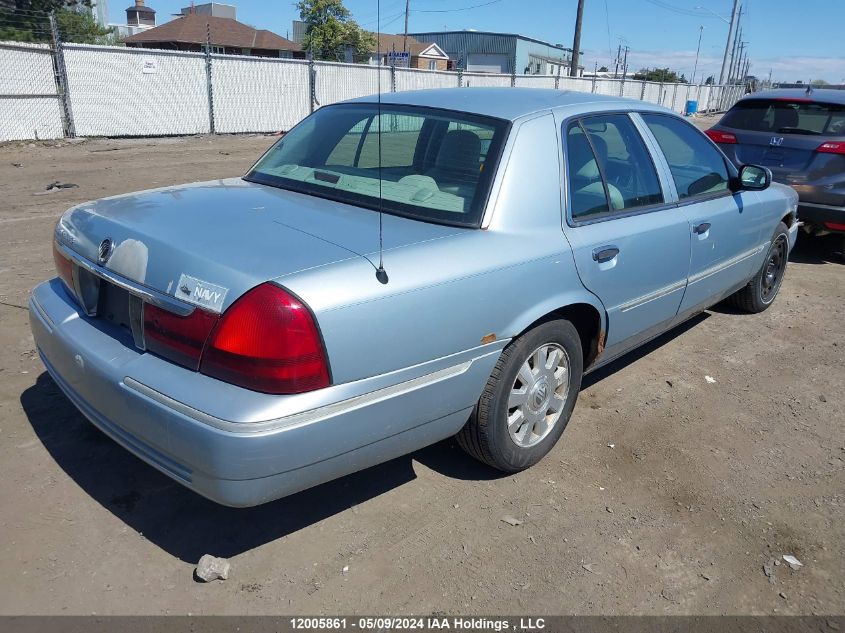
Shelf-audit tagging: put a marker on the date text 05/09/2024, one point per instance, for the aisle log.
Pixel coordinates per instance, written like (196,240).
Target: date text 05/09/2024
(431,623)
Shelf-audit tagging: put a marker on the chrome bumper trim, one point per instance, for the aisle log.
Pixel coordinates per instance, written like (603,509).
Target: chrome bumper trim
(305,417)
(149,295)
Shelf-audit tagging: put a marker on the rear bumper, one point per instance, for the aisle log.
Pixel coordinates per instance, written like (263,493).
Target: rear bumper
(240,463)
(820,214)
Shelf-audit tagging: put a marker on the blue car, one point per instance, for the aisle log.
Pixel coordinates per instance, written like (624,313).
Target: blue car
(395,271)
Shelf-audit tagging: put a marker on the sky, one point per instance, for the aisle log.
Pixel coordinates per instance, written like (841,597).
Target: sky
(794,39)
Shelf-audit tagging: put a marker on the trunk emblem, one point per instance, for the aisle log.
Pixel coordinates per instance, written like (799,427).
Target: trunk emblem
(777,141)
(104,252)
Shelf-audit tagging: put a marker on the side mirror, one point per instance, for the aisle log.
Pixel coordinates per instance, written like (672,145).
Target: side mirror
(752,178)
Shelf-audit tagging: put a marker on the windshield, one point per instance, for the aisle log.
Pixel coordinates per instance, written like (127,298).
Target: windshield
(786,116)
(429,164)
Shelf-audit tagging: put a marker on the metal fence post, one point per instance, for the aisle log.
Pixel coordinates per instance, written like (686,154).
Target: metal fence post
(312,82)
(61,78)
(660,102)
(593,87)
(460,78)
(392,77)
(642,90)
(674,95)
(208,80)
(557,78)
(622,87)
(513,78)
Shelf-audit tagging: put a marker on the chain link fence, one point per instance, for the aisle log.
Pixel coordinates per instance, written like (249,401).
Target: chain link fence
(51,89)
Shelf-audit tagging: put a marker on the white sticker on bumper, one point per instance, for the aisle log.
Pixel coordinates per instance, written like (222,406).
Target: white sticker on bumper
(201,293)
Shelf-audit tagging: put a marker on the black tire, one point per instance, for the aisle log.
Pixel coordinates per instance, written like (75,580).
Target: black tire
(485,436)
(761,291)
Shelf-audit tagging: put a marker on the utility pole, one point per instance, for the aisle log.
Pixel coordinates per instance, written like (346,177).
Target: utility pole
(732,66)
(576,43)
(740,61)
(625,63)
(405,37)
(697,51)
(618,57)
(734,21)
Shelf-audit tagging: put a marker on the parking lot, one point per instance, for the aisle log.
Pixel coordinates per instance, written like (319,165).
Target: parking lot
(668,493)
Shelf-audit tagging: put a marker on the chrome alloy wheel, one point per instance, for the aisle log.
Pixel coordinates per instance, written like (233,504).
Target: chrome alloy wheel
(538,395)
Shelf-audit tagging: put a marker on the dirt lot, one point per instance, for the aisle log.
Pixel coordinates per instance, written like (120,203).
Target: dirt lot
(667,495)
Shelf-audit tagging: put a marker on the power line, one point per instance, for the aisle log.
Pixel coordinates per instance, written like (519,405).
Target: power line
(607,23)
(475,6)
(671,7)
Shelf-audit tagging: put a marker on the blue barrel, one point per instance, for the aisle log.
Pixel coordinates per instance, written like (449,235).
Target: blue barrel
(692,108)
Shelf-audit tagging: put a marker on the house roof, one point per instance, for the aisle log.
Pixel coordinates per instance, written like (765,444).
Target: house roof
(387,42)
(473,33)
(193,29)
(140,8)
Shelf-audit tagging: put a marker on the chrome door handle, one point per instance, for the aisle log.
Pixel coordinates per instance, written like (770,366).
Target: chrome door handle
(604,253)
(701,228)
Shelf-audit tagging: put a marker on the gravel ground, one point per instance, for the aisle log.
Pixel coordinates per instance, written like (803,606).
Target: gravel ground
(667,494)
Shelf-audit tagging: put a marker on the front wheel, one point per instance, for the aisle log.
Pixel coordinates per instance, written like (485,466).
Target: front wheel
(528,399)
(761,291)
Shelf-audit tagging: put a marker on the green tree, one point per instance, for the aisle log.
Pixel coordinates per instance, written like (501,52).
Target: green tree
(330,30)
(81,27)
(819,82)
(659,74)
(28,21)
(710,80)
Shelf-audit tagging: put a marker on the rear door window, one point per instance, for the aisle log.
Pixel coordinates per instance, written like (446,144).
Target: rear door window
(786,116)
(697,167)
(610,169)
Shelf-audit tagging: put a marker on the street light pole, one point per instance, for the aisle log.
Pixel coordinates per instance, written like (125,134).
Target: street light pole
(576,44)
(697,51)
(734,16)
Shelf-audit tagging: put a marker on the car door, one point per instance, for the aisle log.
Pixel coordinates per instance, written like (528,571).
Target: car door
(631,248)
(726,227)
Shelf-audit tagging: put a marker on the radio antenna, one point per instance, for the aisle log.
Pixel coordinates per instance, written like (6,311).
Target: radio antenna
(381,273)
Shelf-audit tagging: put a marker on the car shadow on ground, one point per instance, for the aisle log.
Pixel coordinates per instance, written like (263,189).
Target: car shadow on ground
(827,249)
(633,356)
(187,525)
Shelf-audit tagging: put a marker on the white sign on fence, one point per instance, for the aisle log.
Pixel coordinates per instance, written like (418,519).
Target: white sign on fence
(150,66)
(400,59)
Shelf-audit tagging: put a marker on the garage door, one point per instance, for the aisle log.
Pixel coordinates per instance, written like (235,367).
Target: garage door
(487,63)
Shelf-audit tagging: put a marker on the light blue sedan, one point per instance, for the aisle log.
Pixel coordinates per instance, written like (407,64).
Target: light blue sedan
(394,272)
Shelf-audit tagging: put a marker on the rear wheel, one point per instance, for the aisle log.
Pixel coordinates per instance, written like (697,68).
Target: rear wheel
(761,291)
(528,399)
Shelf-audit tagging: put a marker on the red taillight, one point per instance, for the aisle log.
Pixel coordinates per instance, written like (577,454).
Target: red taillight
(832,147)
(267,341)
(177,338)
(835,226)
(717,136)
(64,267)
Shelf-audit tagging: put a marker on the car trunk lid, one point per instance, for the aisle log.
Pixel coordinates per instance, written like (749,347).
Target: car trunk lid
(208,243)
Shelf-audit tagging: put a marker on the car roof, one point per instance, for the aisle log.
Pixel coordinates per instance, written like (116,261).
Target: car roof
(506,103)
(816,94)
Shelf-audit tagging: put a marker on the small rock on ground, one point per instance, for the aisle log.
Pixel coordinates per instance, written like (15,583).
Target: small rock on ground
(211,568)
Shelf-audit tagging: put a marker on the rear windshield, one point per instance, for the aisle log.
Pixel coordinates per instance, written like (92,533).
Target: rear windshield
(429,164)
(786,116)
